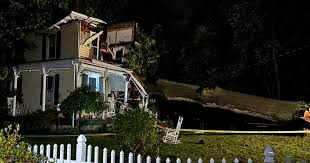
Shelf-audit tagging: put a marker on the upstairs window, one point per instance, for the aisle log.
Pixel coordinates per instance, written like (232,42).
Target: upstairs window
(51,46)
(94,46)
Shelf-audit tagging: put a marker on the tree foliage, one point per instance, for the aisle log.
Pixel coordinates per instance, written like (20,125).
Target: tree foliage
(136,131)
(19,18)
(84,99)
(12,149)
(144,57)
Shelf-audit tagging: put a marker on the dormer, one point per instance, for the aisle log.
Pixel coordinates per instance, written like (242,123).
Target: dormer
(63,39)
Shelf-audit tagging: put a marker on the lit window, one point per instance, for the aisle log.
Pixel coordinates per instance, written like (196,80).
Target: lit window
(92,83)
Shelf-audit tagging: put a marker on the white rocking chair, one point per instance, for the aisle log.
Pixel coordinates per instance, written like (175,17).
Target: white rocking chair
(172,134)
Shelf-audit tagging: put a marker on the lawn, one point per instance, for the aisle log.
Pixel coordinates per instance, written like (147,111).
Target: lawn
(215,146)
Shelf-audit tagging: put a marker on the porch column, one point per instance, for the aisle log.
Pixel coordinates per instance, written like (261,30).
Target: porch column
(78,76)
(16,75)
(126,92)
(146,103)
(78,79)
(104,78)
(45,74)
(98,48)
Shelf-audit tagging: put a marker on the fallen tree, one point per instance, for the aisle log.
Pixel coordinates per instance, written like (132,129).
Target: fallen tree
(217,98)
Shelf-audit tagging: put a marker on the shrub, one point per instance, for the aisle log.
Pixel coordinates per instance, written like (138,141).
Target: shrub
(14,150)
(83,99)
(136,131)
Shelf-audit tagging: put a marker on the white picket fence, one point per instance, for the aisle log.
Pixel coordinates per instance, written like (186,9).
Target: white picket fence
(84,154)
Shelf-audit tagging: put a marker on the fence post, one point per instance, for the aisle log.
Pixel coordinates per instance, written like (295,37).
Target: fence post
(130,158)
(178,160)
(89,148)
(139,159)
(121,157)
(168,160)
(200,160)
(48,151)
(250,160)
(35,149)
(29,148)
(62,153)
(105,155)
(96,156)
(81,149)
(189,160)
(236,160)
(55,152)
(68,153)
(157,159)
(41,149)
(112,156)
(269,155)
(148,159)
(212,160)
(288,159)
(223,160)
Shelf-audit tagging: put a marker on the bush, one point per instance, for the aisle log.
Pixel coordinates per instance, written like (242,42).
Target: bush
(14,150)
(83,99)
(136,131)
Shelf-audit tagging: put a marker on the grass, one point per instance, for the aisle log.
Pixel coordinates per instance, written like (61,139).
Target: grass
(215,146)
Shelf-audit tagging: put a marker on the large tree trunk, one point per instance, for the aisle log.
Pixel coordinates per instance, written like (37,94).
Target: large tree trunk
(218,98)
(275,64)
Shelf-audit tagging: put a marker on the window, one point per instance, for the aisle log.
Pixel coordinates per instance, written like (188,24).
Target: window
(92,79)
(119,56)
(93,83)
(52,46)
(50,83)
(95,49)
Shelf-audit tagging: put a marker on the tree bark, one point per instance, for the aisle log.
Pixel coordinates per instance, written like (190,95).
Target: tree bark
(275,64)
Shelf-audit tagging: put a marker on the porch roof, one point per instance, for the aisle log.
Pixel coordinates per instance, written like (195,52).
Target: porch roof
(109,67)
(84,63)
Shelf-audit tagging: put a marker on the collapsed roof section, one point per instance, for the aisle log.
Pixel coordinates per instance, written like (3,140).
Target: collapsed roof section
(94,22)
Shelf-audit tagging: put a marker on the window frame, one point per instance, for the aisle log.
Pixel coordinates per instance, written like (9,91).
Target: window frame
(93,75)
(48,45)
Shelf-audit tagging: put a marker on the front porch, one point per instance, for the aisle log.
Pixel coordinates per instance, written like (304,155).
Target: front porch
(60,77)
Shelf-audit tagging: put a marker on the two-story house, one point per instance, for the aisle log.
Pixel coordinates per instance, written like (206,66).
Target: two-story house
(68,54)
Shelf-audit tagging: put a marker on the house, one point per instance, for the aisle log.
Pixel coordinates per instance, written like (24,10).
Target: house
(119,39)
(68,54)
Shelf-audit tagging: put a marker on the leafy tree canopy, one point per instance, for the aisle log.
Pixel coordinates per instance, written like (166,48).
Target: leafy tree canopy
(84,99)
(144,57)
(20,17)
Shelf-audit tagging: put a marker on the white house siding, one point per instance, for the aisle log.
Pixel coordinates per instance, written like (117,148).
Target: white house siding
(35,54)
(31,85)
(66,83)
(70,40)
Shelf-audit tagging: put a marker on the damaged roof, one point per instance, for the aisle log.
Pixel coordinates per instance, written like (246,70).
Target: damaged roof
(94,22)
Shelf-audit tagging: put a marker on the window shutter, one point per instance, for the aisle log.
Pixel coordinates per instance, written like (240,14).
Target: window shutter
(101,85)
(58,45)
(84,79)
(44,48)
(56,91)
(41,90)
(20,88)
